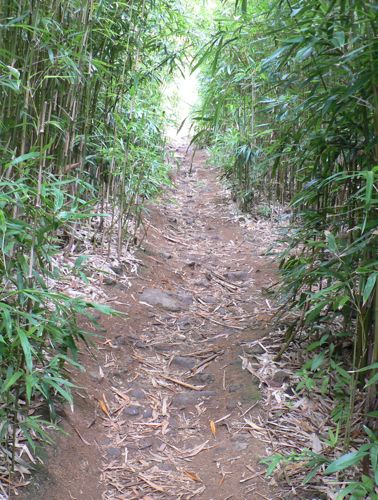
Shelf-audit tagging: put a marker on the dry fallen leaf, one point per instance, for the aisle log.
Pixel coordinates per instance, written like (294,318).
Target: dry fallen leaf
(212,427)
(196,450)
(104,407)
(164,427)
(316,443)
(193,476)
(253,425)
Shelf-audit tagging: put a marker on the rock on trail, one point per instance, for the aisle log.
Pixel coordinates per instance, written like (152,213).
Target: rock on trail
(167,300)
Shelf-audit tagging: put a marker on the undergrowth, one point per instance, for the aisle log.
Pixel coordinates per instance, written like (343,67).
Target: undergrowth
(81,140)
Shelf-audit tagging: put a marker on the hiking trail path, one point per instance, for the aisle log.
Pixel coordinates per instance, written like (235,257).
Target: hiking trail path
(167,407)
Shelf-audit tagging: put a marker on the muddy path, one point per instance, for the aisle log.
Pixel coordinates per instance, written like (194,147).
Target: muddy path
(167,407)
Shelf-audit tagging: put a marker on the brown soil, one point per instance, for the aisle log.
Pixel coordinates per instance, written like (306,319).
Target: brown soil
(137,430)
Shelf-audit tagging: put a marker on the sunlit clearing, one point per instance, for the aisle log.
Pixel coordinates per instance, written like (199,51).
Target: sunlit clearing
(181,95)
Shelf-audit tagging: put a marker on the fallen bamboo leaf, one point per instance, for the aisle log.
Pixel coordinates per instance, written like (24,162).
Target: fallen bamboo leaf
(164,407)
(80,436)
(155,486)
(196,450)
(104,407)
(193,476)
(184,384)
(213,428)
(164,427)
(316,443)
(253,425)
(121,395)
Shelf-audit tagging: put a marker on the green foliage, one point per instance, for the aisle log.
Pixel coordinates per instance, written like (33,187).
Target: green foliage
(81,135)
(289,99)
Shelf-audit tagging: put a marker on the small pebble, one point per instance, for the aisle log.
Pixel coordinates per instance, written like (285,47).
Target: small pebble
(131,411)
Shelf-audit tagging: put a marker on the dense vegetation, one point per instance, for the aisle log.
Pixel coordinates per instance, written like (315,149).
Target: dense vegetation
(290,110)
(80,134)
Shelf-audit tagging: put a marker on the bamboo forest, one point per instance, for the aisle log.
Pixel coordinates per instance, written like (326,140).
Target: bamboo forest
(189,249)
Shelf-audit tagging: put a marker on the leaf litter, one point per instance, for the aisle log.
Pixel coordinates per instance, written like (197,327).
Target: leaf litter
(160,454)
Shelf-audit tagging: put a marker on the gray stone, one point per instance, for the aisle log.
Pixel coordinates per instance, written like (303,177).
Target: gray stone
(184,362)
(237,275)
(240,445)
(143,444)
(281,376)
(166,467)
(96,375)
(120,340)
(109,281)
(117,269)
(231,405)
(140,345)
(185,399)
(234,387)
(203,283)
(147,412)
(166,255)
(256,349)
(113,452)
(162,347)
(157,253)
(185,322)
(138,394)
(208,299)
(131,411)
(170,301)
(120,374)
(127,359)
(202,378)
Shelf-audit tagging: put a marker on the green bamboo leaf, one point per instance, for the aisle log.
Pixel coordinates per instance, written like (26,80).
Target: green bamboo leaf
(304,53)
(25,157)
(317,361)
(315,311)
(372,381)
(26,347)
(369,187)
(369,287)
(3,222)
(338,39)
(374,460)
(65,394)
(331,242)
(14,72)
(11,380)
(345,461)
(29,386)
(103,308)
(373,366)
(276,55)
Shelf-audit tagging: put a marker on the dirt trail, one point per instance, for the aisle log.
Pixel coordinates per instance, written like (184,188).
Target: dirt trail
(171,375)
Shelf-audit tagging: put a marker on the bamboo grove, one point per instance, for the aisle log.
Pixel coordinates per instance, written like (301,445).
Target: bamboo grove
(290,111)
(80,134)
